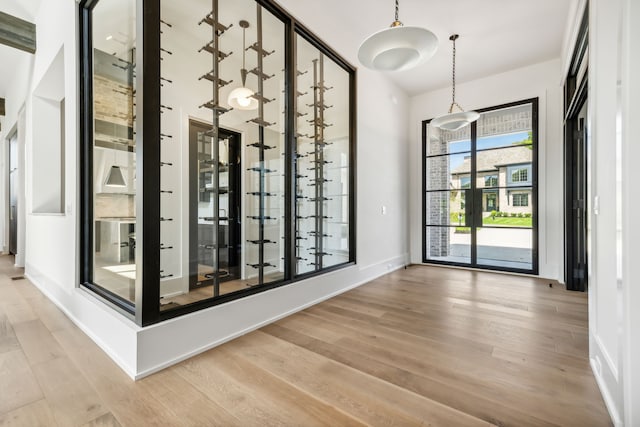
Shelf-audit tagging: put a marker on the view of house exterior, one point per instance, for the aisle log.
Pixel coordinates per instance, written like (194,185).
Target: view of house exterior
(506,176)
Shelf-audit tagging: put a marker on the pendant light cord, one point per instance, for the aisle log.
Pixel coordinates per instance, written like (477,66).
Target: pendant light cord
(243,71)
(453,74)
(453,77)
(397,23)
(244,32)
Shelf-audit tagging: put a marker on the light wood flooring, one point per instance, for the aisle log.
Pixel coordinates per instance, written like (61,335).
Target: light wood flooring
(421,346)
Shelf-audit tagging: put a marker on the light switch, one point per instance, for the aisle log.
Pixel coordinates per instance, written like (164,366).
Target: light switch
(384,210)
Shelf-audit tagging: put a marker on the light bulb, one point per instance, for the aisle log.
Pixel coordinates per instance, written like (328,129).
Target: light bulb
(244,102)
(241,98)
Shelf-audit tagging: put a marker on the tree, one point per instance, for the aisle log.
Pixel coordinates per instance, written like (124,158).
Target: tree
(528,142)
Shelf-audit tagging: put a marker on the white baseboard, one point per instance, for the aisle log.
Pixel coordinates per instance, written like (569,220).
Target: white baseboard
(140,352)
(606,395)
(365,274)
(82,300)
(606,373)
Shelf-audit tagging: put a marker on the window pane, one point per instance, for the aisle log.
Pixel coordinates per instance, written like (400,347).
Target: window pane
(448,244)
(445,142)
(505,248)
(446,208)
(508,207)
(504,166)
(114,158)
(505,127)
(449,172)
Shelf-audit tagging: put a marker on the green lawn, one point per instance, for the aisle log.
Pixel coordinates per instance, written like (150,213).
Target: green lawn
(507,222)
(495,222)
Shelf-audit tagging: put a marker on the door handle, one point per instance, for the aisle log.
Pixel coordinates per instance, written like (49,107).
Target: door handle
(468,208)
(477,204)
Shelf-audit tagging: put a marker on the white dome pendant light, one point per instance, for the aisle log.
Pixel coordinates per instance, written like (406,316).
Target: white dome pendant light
(398,47)
(242,97)
(454,121)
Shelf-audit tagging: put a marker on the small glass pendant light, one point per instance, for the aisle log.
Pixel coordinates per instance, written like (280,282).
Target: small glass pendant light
(242,97)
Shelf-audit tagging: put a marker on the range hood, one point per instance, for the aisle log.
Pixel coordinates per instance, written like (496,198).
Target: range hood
(115,177)
(114,172)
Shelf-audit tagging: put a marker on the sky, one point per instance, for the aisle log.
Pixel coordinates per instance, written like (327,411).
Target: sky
(463,147)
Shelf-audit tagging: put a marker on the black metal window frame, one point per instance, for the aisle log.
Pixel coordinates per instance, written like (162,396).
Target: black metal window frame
(576,93)
(146,310)
(478,203)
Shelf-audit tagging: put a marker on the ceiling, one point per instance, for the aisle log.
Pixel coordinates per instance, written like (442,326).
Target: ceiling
(23,9)
(495,35)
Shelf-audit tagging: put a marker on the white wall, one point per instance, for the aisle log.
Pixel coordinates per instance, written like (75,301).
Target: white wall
(604,294)
(614,297)
(630,76)
(48,194)
(538,80)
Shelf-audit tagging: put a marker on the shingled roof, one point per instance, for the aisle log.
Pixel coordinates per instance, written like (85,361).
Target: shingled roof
(491,160)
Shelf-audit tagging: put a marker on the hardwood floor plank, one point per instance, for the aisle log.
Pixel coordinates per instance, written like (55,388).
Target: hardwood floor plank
(18,385)
(36,414)
(130,402)
(8,339)
(472,371)
(368,398)
(253,395)
(445,392)
(106,420)
(37,342)
(50,315)
(186,402)
(18,312)
(72,399)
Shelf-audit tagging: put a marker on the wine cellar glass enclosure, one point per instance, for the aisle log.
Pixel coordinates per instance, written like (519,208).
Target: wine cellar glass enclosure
(218,153)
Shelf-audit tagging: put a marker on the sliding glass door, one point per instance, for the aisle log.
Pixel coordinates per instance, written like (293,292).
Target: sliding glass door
(480,191)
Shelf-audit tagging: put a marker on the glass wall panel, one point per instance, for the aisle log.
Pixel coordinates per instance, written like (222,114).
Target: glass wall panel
(222,149)
(114,158)
(231,171)
(322,160)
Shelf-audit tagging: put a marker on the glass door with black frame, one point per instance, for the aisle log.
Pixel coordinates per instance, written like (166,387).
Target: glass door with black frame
(480,191)
(505,179)
(447,196)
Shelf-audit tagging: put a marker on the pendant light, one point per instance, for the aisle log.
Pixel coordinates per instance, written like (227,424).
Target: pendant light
(454,121)
(242,97)
(398,47)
